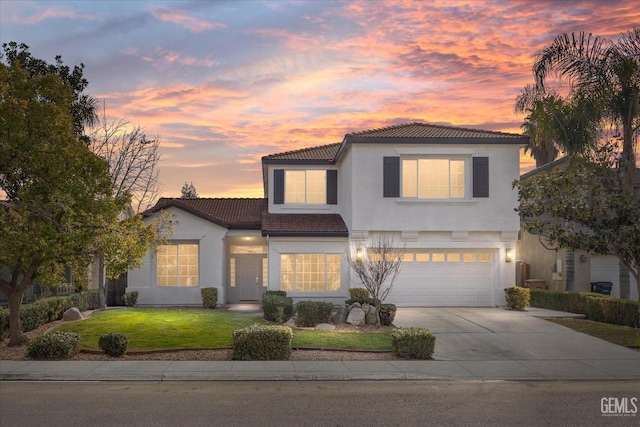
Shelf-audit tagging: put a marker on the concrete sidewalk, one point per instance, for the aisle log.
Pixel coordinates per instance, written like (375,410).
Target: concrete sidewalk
(471,344)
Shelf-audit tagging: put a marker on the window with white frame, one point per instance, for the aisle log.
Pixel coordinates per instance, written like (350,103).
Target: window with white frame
(433,178)
(305,186)
(310,272)
(177,265)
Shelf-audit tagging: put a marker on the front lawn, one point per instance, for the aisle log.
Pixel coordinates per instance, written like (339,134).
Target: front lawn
(616,334)
(162,329)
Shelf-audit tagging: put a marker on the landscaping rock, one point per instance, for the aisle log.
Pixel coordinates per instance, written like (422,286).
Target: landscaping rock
(340,315)
(365,308)
(356,316)
(325,327)
(371,317)
(290,323)
(72,314)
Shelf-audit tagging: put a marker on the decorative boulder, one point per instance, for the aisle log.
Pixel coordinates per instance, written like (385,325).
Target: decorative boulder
(356,316)
(325,327)
(72,314)
(340,315)
(372,316)
(290,323)
(365,308)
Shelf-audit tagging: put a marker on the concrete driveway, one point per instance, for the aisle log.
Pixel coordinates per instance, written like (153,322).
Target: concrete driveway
(467,335)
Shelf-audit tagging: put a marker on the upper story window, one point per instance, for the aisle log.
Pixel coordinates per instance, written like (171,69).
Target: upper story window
(305,187)
(433,178)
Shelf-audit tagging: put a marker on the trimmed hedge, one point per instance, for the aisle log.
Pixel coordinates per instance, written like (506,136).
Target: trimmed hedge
(360,295)
(47,310)
(57,345)
(209,297)
(113,344)
(262,342)
(597,307)
(275,307)
(131,298)
(310,313)
(413,343)
(517,298)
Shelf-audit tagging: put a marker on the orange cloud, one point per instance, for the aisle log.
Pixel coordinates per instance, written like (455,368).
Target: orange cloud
(183,19)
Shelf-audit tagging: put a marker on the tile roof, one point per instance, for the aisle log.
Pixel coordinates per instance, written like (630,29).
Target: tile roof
(323,154)
(304,225)
(424,132)
(228,213)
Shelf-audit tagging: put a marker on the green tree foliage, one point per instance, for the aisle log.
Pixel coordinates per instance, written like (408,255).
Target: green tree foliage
(584,206)
(82,106)
(189,191)
(58,193)
(604,74)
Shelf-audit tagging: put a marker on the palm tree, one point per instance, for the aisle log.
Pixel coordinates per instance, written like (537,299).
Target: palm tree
(603,72)
(537,124)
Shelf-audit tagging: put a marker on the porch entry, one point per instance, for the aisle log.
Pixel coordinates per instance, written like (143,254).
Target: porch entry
(247,273)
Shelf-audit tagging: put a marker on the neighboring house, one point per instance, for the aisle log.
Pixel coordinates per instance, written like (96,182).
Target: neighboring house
(443,193)
(561,269)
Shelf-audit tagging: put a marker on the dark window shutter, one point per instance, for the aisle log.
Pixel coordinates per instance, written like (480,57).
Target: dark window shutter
(278,186)
(332,187)
(391,177)
(480,177)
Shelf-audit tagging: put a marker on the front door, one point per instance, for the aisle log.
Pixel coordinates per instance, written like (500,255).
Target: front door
(248,274)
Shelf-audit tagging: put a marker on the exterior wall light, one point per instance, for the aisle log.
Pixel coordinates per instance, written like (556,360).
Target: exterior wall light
(508,255)
(359,254)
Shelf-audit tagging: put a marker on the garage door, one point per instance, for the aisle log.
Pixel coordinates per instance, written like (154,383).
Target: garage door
(446,278)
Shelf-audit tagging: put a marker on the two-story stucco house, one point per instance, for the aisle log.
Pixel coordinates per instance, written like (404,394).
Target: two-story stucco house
(444,193)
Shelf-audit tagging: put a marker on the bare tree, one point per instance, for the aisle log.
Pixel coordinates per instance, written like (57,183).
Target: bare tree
(133,160)
(377,263)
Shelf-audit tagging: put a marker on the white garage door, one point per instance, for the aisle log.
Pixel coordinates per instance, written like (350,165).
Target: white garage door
(446,278)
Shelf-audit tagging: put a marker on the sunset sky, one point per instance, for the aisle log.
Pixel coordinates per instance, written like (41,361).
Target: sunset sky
(223,83)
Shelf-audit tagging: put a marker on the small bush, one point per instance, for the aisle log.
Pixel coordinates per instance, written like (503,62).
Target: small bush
(262,342)
(387,314)
(114,345)
(360,295)
(413,343)
(4,323)
(131,298)
(57,345)
(597,307)
(279,293)
(209,297)
(276,308)
(517,298)
(310,313)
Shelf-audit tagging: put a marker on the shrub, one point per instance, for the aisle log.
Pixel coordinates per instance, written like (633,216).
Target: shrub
(276,308)
(413,343)
(310,313)
(114,345)
(279,293)
(4,323)
(387,314)
(517,298)
(262,342)
(360,295)
(597,307)
(131,298)
(209,297)
(83,301)
(57,345)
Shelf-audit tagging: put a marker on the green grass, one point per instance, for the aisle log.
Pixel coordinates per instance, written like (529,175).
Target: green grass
(616,334)
(163,329)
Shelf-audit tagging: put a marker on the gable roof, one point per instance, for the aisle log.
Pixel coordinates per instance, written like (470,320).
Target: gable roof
(328,225)
(434,134)
(228,213)
(324,154)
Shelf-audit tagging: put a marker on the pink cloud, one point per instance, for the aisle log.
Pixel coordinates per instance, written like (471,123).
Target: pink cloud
(183,19)
(50,13)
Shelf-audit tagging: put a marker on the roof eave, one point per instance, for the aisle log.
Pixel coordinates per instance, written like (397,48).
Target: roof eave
(305,233)
(420,140)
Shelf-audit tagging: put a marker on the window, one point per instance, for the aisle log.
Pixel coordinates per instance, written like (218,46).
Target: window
(433,178)
(310,272)
(305,186)
(177,265)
